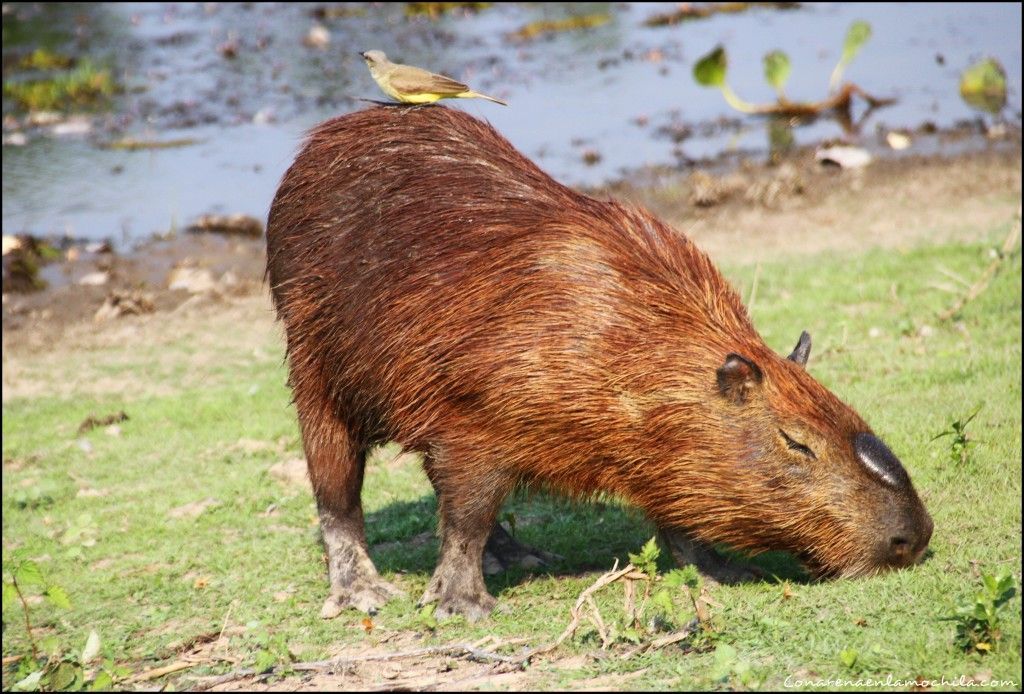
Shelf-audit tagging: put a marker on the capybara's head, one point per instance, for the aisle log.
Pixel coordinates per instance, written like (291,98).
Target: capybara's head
(802,471)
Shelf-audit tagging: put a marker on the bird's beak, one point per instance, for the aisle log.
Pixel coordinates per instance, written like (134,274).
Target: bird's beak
(362,54)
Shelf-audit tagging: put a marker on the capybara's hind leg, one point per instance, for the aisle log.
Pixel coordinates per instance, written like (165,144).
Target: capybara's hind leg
(503,552)
(336,465)
(468,501)
(686,550)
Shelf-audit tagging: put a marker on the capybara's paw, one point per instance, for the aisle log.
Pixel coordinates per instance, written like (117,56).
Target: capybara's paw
(366,596)
(473,607)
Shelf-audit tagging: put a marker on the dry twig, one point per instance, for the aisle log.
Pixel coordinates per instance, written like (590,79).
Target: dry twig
(982,282)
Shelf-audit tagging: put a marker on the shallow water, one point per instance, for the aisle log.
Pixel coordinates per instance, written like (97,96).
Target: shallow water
(570,93)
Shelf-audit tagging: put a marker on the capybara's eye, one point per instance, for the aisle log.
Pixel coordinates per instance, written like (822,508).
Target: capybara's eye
(799,447)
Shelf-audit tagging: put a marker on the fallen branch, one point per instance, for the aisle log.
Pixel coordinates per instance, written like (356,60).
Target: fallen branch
(666,640)
(838,101)
(577,610)
(982,283)
(331,665)
(161,671)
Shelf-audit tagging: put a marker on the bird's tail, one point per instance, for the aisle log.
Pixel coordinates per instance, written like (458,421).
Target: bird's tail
(478,95)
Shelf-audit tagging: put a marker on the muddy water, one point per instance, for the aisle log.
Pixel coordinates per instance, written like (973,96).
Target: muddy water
(606,94)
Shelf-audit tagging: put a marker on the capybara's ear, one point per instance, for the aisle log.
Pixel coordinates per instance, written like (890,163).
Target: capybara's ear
(737,377)
(802,351)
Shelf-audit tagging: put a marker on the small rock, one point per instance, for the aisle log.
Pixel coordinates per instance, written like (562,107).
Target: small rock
(44,118)
(11,243)
(191,279)
(76,125)
(98,247)
(95,279)
(926,331)
(875,332)
(17,139)
(85,445)
(843,156)
(898,141)
(124,304)
(264,116)
(317,37)
(112,430)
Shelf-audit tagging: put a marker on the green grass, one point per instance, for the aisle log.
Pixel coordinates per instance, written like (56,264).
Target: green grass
(147,582)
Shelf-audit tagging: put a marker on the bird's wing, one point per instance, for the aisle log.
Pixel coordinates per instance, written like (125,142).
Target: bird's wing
(413,80)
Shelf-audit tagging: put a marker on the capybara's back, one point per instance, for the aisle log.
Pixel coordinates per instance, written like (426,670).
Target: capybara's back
(439,290)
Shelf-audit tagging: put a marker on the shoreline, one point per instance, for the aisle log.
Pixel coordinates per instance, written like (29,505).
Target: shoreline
(753,212)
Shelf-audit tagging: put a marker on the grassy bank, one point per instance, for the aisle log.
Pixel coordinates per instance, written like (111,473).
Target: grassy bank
(170,528)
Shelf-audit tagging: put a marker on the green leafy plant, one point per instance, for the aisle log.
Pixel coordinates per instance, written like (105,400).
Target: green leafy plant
(983,86)
(269,651)
(959,446)
(647,559)
(712,69)
(776,71)
(49,668)
(979,623)
(856,36)
(84,86)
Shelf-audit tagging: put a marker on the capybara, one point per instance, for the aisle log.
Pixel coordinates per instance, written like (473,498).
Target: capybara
(439,290)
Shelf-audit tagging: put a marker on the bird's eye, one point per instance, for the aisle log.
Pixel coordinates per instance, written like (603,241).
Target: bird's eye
(799,447)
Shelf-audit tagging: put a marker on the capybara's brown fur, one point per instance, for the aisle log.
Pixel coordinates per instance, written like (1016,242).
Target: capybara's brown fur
(439,290)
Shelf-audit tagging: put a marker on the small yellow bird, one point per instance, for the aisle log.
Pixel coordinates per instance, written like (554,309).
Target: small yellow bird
(413,85)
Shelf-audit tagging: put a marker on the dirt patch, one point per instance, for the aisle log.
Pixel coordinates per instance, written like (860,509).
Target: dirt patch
(759,213)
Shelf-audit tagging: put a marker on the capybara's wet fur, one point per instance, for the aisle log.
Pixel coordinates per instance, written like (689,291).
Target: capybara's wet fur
(439,290)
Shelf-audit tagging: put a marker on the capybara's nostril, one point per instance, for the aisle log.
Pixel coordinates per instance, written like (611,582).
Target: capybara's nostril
(899,550)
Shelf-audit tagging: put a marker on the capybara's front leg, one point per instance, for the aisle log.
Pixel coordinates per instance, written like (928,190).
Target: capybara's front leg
(714,566)
(469,498)
(336,463)
(353,577)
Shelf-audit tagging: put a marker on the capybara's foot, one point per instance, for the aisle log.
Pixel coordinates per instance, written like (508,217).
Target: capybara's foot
(364,595)
(458,597)
(503,552)
(473,607)
(712,565)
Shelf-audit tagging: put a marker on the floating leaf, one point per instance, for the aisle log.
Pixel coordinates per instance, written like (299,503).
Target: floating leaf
(856,36)
(92,647)
(776,69)
(983,86)
(710,70)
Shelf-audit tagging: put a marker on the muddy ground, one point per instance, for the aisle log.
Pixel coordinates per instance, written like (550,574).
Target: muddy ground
(749,214)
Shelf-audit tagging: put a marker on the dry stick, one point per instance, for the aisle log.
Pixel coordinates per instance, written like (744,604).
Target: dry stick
(458,650)
(982,283)
(577,610)
(161,671)
(28,624)
(666,640)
